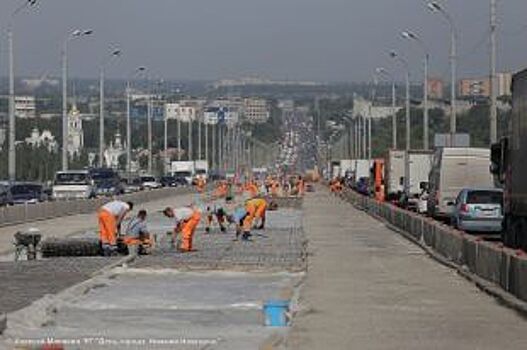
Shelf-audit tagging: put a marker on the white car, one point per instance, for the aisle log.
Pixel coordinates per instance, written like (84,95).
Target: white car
(149,182)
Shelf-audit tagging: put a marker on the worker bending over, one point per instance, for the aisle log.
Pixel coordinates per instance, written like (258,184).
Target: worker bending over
(186,221)
(238,218)
(256,209)
(110,217)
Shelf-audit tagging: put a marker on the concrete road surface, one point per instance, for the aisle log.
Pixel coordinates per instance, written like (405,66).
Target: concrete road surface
(368,288)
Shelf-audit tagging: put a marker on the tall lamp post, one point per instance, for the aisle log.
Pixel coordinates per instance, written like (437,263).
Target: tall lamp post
(435,7)
(394,55)
(12,117)
(114,54)
(382,71)
(414,37)
(65,132)
(129,120)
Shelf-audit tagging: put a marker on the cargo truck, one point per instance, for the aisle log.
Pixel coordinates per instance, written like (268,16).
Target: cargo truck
(454,169)
(509,167)
(394,174)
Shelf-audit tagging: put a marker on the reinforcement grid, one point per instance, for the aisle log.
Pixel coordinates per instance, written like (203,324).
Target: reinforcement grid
(23,282)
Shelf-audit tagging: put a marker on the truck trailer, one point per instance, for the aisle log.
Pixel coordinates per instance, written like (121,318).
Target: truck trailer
(509,167)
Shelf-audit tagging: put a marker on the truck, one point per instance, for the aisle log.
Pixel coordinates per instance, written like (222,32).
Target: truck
(183,170)
(347,166)
(394,174)
(509,167)
(420,165)
(362,169)
(454,169)
(73,184)
(201,168)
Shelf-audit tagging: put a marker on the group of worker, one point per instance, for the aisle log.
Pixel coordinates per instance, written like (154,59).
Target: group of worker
(336,185)
(185,222)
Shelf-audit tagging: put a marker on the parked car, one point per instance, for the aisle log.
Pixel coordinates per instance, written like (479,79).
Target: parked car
(5,195)
(478,210)
(24,193)
(150,182)
(169,181)
(107,182)
(73,184)
(133,185)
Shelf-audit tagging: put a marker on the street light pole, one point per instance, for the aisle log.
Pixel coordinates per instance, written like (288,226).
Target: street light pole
(65,129)
(380,71)
(435,7)
(12,117)
(414,37)
(406,66)
(115,53)
(493,77)
(129,121)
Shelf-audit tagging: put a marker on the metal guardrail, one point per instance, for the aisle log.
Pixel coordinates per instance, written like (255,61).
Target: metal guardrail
(494,264)
(19,214)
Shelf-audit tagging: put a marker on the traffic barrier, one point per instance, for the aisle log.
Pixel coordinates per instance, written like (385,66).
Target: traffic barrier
(492,262)
(489,262)
(19,214)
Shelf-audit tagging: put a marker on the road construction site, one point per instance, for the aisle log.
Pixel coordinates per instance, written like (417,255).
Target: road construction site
(349,280)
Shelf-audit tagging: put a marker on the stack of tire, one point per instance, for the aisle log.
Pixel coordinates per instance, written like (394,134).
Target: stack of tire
(70,247)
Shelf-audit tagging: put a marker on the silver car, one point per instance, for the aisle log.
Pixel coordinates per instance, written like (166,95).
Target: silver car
(478,210)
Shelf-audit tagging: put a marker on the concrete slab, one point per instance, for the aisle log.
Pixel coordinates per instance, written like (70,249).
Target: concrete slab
(223,310)
(369,288)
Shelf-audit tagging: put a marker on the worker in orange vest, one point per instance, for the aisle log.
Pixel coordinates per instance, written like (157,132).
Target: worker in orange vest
(186,220)
(110,217)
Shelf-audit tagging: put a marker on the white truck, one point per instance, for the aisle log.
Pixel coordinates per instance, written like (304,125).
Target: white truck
(394,174)
(73,184)
(454,169)
(201,169)
(420,166)
(183,170)
(362,169)
(347,166)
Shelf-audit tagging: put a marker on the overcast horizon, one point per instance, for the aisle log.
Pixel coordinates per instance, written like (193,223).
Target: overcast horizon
(325,41)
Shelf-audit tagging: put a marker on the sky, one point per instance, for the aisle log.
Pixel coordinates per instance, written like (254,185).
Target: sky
(320,40)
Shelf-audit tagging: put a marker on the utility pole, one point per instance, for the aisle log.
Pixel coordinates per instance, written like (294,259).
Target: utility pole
(190,150)
(12,117)
(178,138)
(213,131)
(149,121)
(493,76)
(199,139)
(207,142)
(101,118)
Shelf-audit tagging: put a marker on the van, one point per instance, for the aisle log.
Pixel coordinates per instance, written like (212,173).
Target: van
(454,169)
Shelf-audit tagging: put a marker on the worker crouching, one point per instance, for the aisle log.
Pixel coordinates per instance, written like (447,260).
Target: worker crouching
(186,220)
(137,238)
(221,218)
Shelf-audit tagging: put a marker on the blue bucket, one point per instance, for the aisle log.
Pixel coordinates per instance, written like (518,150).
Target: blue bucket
(275,313)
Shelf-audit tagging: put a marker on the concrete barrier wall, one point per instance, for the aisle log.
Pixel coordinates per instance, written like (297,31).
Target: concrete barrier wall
(18,214)
(492,262)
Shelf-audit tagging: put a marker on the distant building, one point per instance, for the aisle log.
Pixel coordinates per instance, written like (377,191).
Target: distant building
(504,84)
(220,115)
(435,89)
(113,152)
(75,132)
(25,107)
(364,108)
(481,87)
(474,88)
(46,139)
(255,110)
(184,110)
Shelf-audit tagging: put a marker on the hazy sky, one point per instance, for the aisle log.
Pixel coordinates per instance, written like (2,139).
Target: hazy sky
(325,40)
